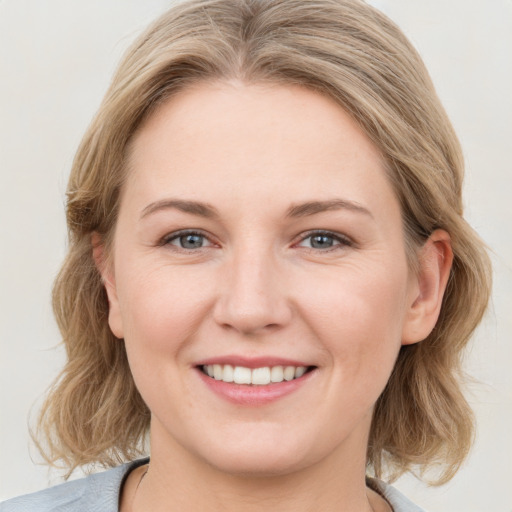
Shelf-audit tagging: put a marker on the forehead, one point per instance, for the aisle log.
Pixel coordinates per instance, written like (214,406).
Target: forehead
(226,140)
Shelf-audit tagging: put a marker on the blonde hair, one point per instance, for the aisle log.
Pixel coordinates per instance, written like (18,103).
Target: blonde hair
(355,55)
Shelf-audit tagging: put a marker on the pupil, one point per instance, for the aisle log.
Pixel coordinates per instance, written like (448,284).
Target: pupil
(191,241)
(321,241)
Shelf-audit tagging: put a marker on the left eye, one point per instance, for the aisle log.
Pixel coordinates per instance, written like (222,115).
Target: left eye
(188,240)
(323,241)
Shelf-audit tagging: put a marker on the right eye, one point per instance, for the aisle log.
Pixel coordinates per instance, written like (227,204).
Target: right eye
(187,240)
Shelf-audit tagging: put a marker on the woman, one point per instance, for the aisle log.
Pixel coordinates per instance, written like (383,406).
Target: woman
(269,271)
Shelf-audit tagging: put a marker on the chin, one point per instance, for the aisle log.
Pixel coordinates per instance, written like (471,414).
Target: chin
(258,464)
(261,458)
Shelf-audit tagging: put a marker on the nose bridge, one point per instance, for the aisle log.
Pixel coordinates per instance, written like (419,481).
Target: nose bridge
(252,298)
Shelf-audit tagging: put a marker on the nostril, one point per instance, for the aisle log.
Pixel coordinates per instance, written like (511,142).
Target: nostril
(250,310)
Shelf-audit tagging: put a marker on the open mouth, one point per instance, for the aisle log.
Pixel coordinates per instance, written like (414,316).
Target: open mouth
(254,376)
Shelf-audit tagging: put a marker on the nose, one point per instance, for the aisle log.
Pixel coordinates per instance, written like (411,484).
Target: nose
(252,299)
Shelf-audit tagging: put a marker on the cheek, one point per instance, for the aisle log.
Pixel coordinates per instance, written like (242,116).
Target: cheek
(162,310)
(161,307)
(358,314)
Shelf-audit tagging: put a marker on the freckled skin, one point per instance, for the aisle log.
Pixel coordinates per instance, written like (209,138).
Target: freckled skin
(256,286)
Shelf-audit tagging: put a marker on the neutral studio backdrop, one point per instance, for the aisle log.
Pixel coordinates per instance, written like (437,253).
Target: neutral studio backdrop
(56,60)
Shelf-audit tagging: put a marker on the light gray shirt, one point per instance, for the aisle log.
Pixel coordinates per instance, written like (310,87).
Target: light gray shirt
(100,493)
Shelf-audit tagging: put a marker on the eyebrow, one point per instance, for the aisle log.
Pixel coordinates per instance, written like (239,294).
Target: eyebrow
(208,211)
(193,207)
(314,207)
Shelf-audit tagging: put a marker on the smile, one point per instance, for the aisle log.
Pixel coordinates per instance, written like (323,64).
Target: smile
(254,381)
(253,376)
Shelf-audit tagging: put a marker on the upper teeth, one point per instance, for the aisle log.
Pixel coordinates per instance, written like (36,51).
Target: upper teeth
(258,376)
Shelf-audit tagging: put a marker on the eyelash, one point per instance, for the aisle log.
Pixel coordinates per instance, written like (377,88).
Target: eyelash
(342,241)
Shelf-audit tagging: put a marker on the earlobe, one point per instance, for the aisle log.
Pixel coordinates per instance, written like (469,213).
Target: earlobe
(424,305)
(107,276)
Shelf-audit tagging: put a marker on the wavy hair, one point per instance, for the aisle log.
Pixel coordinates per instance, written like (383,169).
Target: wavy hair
(352,53)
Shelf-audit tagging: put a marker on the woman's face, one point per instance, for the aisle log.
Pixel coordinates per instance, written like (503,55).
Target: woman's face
(258,231)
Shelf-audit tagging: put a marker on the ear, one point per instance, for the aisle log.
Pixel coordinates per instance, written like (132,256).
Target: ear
(106,270)
(427,288)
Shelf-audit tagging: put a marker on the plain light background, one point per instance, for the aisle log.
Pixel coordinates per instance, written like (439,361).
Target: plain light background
(56,60)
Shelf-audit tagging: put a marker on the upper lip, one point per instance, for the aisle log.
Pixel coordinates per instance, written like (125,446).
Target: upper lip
(251,362)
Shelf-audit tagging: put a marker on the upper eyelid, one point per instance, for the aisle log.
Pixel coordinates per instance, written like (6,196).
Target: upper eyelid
(338,236)
(183,232)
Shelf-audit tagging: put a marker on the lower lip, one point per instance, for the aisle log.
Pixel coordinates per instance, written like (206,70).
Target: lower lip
(253,395)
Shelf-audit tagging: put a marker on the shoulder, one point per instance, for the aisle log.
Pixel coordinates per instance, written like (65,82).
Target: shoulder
(394,497)
(98,492)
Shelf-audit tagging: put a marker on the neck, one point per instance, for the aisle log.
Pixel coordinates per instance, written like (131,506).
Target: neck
(177,480)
